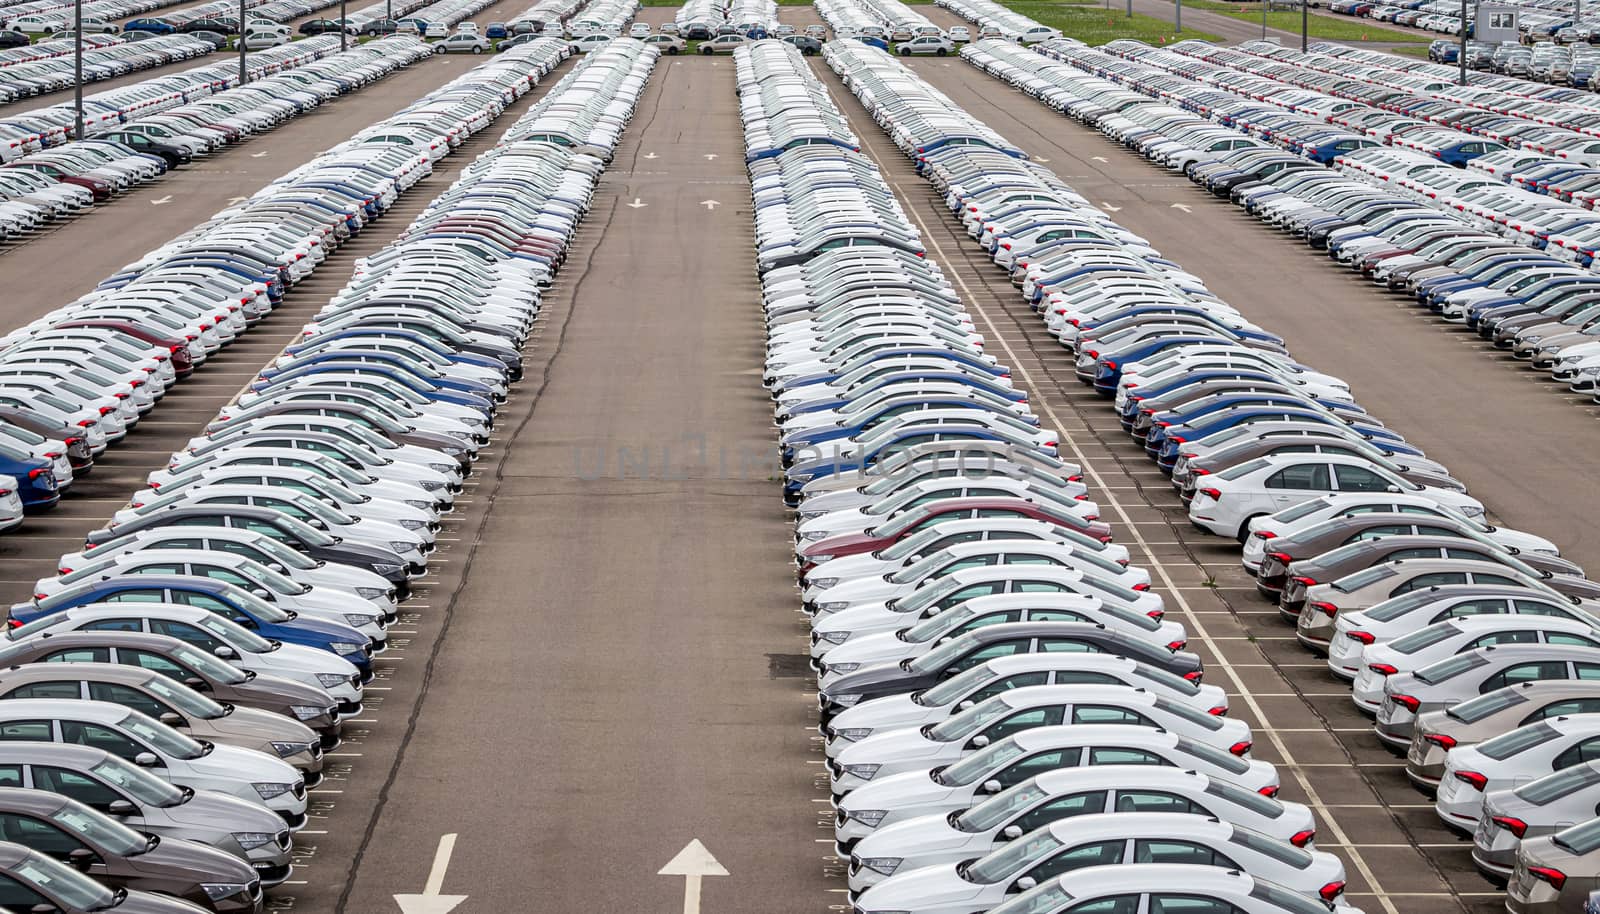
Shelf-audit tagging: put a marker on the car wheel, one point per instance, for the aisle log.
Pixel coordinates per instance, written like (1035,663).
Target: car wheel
(477,49)
(705,52)
(905,52)
(941,52)
(1244,528)
(438,49)
(671,50)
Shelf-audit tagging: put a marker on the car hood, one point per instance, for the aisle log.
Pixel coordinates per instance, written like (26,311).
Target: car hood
(235,764)
(907,791)
(923,835)
(919,889)
(904,745)
(210,809)
(253,723)
(175,858)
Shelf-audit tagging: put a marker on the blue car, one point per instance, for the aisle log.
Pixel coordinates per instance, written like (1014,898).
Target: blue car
(393,375)
(968,360)
(36,481)
(220,597)
(496,30)
(1174,436)
(157,26)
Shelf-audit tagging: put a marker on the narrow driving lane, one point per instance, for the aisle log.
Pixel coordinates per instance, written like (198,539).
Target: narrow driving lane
(613,682)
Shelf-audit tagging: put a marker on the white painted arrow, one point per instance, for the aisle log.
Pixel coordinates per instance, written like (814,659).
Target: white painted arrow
(159,201)
(430,901)
(710,204)
(258,155)
(1100,158)
(235,200)
(693,863)
(1109,208)
(710,156)
(651,155)
(1182,206)
(1040,159)
(636,204)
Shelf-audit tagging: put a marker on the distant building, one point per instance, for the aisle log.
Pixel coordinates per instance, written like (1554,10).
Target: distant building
(1496,23)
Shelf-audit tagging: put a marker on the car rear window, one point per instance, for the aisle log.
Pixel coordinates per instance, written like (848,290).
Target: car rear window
(1241,470)
(1563,783)
(1281,851)
(1426,637)
(1171,680)
(1579,839)
(1198,718)
(1351,583)
(1521,739)
(1225,760)
(1475,709)
(1249,799)
(1449,668)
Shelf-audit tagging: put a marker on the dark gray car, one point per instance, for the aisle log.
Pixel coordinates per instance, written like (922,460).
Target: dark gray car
(1489,715)
(114,854)
(146,803)
(33,882)
(195,668)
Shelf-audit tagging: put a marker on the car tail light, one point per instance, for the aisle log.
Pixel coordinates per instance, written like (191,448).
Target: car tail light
(85,423)
(1331,891)
(1194,675)
(1302,579)
(1382,669)
(1302,838)
(1363,637)
(1263,534)
(1511,824)
(1553,876)
(1477,780)
(104,410)
(1327,609)
(1155,613)
(1444,742)
(1409,702)
(1285,558)
(1240,748)
(14,623)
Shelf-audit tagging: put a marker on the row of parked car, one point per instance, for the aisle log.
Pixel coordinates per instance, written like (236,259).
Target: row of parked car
(998,686)
(1536,19)
(179,681)
(1505,245)
(28,77)
(699,20)
(997,21)
(46,17)
(1382,560)
(140,132)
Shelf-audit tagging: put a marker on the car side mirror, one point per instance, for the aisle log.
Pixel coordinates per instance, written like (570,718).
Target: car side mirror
(1026,883)
(278,568)
(260,593)
(81,857)
(44,908)
(965,705)
(1011,832)
(992,786)
(198,684)
(1393,490)
(121,808)
(225,652)
(146,760)
(980,741)
(173,719)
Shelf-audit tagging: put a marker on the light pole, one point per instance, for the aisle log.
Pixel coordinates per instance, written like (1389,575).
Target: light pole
(344,27)
(1461,52)
(241,43)
(1177,21)
(77,68)
(1305,23)
(1265,5)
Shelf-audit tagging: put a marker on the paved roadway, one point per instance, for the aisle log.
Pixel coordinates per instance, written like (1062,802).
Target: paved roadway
(621,672)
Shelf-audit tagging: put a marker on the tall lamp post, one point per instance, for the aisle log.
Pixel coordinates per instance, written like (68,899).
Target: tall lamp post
(344,27)
(1265,5)
(1305,23)
(241,42)
(1177,22)
(1461,53)
(77,68)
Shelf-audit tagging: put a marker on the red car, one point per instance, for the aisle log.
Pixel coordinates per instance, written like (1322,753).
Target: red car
(887,534)
(182,361)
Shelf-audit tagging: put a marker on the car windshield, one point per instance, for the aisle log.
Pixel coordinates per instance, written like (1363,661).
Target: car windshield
(979,764)
(1426,637)
(1563,783)
(234,634)
(303,531)
(274,581)
(928,594)
(945,693)
(98,829)
(140,784)
(169,741)
(1449,668)
(1475,709)
(921,568)
(937,624)
(898,525)
(971,720)
(1517,741)
(1046,899)
(1001,806)
(894,503)
(282,554)
(62,883)
(911,545)
(1012,858)
(1351,583)
(183,698)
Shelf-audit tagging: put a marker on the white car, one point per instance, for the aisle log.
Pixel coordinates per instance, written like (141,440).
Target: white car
(1097,839)
(966,689)
(1162,887)
(1069,497)
(583,44)
(1228,501)
(1511,760)
(937,838)
(150,744)
(1453,636)
(892,752)
(1354,631)
(960,33)
(221,637)
(10,504)
(639,30)
(923,543)
(436,30)
(896,798)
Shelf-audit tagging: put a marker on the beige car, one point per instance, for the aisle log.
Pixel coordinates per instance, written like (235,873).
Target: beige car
(175,705)
(667,44)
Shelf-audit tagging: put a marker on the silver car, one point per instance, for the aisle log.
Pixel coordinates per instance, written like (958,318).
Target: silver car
(1547,805)
(1456,679)
(1489,715)
(1556,873)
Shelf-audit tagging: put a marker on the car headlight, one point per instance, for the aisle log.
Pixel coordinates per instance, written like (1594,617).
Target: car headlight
(285,750)
(452,451)
(814,535)
(329,681)
(371,593)
(461,433)
(412,524)
(430,486)
(418,503)
(442,467)
(884,865)
(401,546)
(250,840)
(387,569)
(868,817)
(864,772)
(1533,339)
(359,619)
(345,647)
(268,791)
(1472,510)
(835,637)
(216,891)
(808,515)
(843,667)
(823,583)
(831,607)
(819,559)
(851,734)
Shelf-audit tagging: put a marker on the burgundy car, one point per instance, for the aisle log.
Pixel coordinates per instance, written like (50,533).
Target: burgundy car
(182,361)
